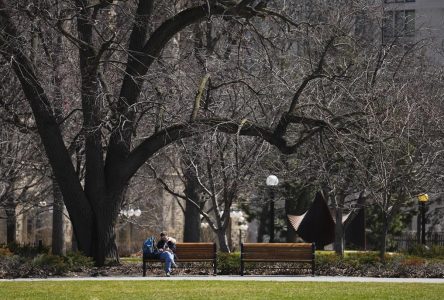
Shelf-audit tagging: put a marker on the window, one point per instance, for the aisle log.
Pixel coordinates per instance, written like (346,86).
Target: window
(360,25)
(398,23)
(398,1)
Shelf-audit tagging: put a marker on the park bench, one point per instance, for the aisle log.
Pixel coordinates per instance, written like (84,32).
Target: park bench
(303,253)
(190,253)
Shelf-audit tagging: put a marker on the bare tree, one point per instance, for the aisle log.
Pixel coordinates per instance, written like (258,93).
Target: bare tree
(223,169)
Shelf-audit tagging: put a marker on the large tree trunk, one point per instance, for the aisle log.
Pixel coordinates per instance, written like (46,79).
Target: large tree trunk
(104,236)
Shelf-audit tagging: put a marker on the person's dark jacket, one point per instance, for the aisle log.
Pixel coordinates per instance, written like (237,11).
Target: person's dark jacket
(164,244)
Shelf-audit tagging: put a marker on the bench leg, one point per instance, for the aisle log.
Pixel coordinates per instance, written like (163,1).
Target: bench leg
(215,268)
(144,268)
(214,260)
(242,259)
(313,263)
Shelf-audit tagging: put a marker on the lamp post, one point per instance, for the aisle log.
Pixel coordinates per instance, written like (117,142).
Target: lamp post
(271,182)
(131,214)
(423,198)
(237,217)
(242,228)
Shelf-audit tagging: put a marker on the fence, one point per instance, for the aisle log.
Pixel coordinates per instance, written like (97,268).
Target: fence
(409,239)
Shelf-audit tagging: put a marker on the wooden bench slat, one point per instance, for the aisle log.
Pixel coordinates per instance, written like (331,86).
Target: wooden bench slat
(194,256)
(277,260)
(180,260)
(276,252)
(271,257)
(276,245)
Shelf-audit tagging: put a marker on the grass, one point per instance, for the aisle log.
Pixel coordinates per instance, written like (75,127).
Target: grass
(132,259)
(96,290)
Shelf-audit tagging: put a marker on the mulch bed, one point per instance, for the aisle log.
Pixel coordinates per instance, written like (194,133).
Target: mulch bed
(134,269)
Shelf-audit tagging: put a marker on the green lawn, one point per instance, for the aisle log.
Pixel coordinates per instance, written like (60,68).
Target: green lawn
(216,290)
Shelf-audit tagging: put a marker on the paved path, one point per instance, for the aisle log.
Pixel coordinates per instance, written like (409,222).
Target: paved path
(239,278)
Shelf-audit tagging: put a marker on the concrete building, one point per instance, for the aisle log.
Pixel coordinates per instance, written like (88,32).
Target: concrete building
(415,21)
(412,21)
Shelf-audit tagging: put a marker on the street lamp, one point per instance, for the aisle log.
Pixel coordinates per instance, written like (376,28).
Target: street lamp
(271,182)
(237,216)
(242,228)
(423,198)
(130,215)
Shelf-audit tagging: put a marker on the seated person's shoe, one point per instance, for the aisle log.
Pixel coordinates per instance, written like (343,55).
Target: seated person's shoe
(168,274)
(174,265)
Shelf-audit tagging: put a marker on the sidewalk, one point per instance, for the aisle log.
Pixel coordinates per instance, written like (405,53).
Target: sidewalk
(239,278)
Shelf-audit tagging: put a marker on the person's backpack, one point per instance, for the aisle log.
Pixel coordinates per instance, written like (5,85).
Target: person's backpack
(149,248)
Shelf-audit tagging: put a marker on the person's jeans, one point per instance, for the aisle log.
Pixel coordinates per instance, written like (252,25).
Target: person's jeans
(169,258)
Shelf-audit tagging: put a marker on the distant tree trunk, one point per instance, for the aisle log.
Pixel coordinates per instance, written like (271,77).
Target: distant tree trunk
(192,223)
(192,213)
(223,241)
(11,222)
(74,246)
(418,227)
(339,232)
(262,224)
(383,246)
(57,221)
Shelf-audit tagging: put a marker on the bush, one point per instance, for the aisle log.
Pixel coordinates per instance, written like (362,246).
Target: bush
(27,250)
(228,263)
(434,251)
(4,251)
(42,265)
(413,261)
(50,263)
(76,261)
(15,267)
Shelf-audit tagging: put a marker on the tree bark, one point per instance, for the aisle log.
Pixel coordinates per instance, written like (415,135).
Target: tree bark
(58,238)
(223,241)
(11,222)
(262,224)
(106,212)
(339,232)
(192,213)
(383,246)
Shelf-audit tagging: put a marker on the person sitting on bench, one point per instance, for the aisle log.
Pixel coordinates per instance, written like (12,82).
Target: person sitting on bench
(167,247)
